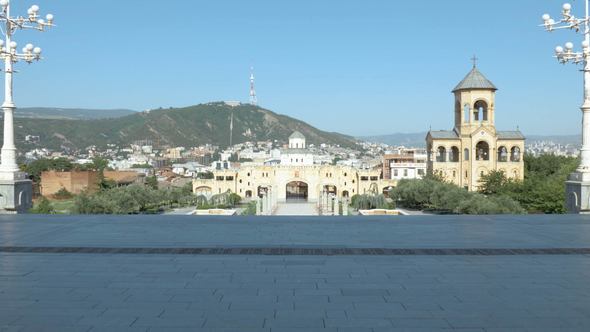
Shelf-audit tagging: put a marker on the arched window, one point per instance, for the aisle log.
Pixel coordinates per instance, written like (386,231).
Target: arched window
(441,155)
(515,154)
(466,113)
(482,151)
(481,111)
(454,156)
(466,154)
(502,154)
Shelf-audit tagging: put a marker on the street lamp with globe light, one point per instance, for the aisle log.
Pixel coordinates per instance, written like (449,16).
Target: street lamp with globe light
(14,186)
(578,183)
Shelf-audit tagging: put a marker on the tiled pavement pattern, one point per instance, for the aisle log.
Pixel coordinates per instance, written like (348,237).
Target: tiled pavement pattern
(328,232)
(163,292)
(296,209)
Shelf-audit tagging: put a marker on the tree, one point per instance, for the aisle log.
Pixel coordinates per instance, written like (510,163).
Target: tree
(152,182)
(43,207)
(495,182)
(205,175)
(63,193)
(99,164)
(35,168)
(441,197)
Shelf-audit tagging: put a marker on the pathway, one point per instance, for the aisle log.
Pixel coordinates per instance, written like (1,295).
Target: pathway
(296,209)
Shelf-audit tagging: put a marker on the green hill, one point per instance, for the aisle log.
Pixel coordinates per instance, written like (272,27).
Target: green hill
(190,126)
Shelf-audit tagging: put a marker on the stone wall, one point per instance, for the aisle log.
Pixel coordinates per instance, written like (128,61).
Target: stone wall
(74,182)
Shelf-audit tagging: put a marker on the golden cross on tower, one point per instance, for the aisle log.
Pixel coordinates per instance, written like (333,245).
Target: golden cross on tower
(474,59)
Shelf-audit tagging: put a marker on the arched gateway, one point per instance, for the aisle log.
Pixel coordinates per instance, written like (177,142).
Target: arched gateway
(297,191)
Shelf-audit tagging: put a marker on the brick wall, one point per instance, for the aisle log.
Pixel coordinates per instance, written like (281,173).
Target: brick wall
(74,182)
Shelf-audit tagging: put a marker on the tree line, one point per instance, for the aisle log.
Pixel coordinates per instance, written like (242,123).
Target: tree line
(541,191)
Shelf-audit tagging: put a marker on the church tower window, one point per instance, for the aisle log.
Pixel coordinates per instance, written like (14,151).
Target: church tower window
(502,154)
(482,151)
(441,156)
(481,111)
(515,154)
(454,156)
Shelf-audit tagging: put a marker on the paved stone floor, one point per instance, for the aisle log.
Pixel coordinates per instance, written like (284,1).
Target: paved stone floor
(296,209)
(42,291)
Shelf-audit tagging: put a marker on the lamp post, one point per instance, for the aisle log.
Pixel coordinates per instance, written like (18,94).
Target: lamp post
(15,189)
(578,183)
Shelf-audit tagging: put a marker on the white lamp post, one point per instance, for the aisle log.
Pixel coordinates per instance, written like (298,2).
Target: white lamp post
(15,193)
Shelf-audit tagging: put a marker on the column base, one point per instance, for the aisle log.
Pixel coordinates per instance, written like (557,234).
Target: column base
(16,196)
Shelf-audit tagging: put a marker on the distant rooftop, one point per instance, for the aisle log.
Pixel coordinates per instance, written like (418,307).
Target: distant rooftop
(510,134)
(443,134)
(297,134)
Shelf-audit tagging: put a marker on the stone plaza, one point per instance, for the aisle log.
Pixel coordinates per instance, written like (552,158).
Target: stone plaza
(180,273)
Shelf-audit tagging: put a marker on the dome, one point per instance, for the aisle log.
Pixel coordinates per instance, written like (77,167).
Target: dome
(297,134)
(475,80)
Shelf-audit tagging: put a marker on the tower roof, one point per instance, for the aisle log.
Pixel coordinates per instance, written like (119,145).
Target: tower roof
(297,134)
(475,80)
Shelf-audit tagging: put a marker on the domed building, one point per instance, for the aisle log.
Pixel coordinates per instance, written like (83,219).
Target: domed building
(296,178)
(474,147)
(297,154)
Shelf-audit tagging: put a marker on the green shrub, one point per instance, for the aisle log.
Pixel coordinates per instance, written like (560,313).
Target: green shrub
(368,202)
(441,197)
(250,209)
(63,193)
(44,206)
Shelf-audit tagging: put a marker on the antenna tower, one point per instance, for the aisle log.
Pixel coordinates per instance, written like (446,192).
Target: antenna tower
(253,98)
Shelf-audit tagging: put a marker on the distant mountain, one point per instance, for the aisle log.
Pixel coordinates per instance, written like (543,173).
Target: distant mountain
(69,113)
(189,126)
(419,139)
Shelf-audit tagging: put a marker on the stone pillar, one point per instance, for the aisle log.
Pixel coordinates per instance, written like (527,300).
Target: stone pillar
(265,203)
(269,202)
(345,206)
(258,206)
(336,206)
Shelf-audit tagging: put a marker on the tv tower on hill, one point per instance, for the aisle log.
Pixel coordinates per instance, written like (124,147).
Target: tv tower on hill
(253,98)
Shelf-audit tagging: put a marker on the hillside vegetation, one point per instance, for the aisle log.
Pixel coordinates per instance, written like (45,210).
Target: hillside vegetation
(190,126)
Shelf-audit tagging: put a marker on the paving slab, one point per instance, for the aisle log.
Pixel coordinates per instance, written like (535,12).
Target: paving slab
(518,285)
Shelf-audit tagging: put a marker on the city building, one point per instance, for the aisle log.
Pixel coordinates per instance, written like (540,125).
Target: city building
(404,164)
(297,153)
(474,147)
(297,180)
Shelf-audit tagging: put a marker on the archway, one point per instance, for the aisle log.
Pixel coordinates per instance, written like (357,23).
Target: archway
(297,191)
(330,189)
(502,154)
(204,190)
(515,154)
(441,155)
(481,111)
(482,151)
(454,156)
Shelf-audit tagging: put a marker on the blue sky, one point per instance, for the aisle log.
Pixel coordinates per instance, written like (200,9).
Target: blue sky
(358,67)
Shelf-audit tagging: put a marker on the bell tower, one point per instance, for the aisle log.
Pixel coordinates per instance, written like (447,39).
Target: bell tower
(474,102)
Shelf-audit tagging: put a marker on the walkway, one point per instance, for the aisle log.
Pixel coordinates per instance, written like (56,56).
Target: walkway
(296,274)
(296,209)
